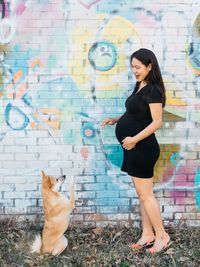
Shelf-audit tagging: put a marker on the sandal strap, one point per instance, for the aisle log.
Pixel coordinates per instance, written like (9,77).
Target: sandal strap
(147,242)
(165,243)
(139,246)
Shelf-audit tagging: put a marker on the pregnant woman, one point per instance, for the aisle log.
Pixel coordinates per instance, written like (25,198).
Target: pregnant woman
(135,132)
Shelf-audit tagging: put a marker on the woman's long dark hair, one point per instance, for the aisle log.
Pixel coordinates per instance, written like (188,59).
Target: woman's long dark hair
(146,57)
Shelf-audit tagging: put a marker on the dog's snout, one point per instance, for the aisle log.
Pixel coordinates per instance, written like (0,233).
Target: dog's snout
(64,176)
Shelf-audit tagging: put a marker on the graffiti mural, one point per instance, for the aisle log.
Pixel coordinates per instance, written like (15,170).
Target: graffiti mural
(65,66)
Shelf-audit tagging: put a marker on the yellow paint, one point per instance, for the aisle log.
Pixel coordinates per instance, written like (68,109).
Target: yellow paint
(54,124)
(50,111)
(196,71)
(35,62)
(117,30)
(170,99)
(163,164)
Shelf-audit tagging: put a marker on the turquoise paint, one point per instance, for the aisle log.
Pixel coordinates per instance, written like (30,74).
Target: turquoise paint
(197,183)
(18,121)
(114,154)
(175,158)
(103,55)
(52,62)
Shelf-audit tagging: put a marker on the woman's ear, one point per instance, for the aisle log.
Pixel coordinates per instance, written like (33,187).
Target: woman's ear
(149,67)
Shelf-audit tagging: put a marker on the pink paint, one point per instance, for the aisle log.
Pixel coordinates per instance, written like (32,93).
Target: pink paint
(178,194)
(84,152)
(181,179)
(88,132)
(180,200)
(146,20)
(20,9)
(89,3)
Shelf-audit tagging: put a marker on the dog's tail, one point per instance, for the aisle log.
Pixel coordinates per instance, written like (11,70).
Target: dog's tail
(37,245)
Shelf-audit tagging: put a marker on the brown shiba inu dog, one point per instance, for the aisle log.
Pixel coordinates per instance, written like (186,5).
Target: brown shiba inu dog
(57,210)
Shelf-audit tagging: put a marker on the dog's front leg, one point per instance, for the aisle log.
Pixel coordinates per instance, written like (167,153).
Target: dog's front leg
(72,196)
(60,246)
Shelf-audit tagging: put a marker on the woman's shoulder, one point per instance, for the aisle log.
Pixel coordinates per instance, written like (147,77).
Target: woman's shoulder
(153,89)
(153,94)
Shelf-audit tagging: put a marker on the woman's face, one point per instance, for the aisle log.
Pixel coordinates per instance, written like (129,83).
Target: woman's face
(140,70)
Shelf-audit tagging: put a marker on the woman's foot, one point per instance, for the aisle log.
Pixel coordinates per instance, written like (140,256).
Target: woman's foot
(144,241)
(160,244)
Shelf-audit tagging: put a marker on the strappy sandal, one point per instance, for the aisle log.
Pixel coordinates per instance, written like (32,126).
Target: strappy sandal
(137,246)
(166,242)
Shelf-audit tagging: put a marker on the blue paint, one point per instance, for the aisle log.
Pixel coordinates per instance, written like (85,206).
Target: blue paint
(15,118)
(114,154)
(88,126)
(83,114)
(17,60)
(120,8)
(27,100)
(52,62)
(103,55)
(197,183)
(194,55)
(175,158)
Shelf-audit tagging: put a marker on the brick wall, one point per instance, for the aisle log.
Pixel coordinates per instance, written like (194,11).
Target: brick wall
(64,67)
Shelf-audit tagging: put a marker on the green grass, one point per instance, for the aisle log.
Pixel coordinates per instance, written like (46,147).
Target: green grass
(99,247)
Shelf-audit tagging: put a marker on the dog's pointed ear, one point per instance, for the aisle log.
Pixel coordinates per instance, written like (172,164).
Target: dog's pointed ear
(43,174)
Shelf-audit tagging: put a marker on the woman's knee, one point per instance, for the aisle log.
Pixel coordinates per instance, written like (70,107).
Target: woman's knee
(145,197)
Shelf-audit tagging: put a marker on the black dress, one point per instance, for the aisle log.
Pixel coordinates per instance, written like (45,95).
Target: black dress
(140,160)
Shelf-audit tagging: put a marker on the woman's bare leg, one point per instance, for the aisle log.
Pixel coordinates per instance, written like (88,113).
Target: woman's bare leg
(147,227)
(144,188)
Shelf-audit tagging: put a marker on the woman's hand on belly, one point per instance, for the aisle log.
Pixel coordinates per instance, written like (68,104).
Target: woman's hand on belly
(128,143)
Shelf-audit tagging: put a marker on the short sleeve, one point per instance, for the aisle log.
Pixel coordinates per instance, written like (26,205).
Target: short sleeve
(154,96)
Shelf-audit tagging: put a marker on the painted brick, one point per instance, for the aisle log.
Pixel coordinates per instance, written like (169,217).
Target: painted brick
(33,194)
(26,156)
(191,208)
(6,156)
(77,218)
(190,216)
(13,195)
(118,217)
(85,179)
(2,210)
(26,187)
(18,149)
(174,208)
(120,201)
(6,203)
(95,217)
(35,210)
(21,205)
(14,165)
(50,50)
(7,187)
(39,164)
(111,194)
(107,209)
(95,187)
(25,141)
(85,210)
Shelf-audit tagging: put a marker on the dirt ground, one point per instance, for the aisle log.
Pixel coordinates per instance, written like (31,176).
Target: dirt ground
(108,246)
